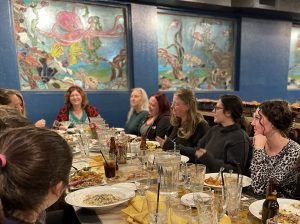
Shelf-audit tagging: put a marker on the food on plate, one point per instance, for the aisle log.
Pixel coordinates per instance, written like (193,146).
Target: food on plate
(151,145)
(100,199)
(70,138)
(213,181)
(296,205)
(84,178)
(287,217)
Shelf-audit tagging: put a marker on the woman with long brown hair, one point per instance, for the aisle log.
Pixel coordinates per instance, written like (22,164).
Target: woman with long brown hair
(188,125)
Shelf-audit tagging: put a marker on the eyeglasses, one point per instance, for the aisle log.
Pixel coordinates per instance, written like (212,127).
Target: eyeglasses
(218,108)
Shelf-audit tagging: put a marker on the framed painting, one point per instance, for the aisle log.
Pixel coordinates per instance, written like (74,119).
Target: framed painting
(294,60)
(60,44)
(195,52)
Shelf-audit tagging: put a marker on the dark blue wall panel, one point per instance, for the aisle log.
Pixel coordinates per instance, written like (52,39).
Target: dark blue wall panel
(262,67)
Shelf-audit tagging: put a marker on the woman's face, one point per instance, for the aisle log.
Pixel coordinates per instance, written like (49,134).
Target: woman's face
(135,99)
(179,108)
(260,123)
(153,107)
(15,102)
(219,116)
(75,98)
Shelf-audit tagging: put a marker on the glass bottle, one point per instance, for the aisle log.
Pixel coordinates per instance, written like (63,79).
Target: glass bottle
(270,207)
(113,150)
(143,145)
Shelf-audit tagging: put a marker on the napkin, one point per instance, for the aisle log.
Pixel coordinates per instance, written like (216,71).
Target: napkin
(225,220)
(137,209)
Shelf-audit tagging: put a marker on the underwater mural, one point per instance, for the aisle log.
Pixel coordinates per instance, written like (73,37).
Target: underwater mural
(60,44)
(195,52)
(294,61)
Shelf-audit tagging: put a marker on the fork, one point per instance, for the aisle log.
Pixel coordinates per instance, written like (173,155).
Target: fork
(219,174)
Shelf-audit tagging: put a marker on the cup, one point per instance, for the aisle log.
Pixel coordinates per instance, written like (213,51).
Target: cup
(220,203)
(158,212)
(204,201)
(83,143)
(179,213)
(143,182)
(195,174)
(110,166)
(233,191)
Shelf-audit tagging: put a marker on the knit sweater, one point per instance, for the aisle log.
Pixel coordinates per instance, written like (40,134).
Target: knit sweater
(225,147)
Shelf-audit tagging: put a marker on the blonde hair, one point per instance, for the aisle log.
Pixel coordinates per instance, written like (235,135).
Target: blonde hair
(8,111)
(186,129)
(144,102)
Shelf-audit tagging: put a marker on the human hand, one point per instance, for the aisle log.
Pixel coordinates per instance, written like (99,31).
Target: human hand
(200,152)
(161,141)
(40,123)
(259,141)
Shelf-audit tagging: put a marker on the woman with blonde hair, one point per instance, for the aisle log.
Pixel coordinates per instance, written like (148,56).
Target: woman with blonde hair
(188,125)
(138,111)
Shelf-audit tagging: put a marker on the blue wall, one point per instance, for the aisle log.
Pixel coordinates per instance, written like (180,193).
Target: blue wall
(261,72)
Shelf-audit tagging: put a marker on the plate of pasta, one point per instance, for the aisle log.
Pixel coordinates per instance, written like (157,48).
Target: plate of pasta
(100,197)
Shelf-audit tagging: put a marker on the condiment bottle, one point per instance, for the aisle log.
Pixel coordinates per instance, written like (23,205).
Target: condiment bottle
(270,207)
(113,150)
(143,145)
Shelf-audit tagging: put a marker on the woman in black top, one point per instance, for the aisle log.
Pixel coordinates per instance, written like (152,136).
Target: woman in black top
(157,122)
(188,125)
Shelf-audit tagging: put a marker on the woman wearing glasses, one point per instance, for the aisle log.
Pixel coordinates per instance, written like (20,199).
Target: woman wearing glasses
(188,125)
(226,144)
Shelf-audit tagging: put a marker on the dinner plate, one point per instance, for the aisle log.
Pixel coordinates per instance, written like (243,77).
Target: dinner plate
(246,180)
(184,159)
(284,203)
(75,150)
(76,198)
(131,136)
(188,199)
(130,186)
(119,129)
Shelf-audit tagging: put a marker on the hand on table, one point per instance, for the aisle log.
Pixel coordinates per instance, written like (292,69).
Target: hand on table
(161,140)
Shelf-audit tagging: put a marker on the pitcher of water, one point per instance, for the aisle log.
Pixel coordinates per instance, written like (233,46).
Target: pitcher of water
(170,164)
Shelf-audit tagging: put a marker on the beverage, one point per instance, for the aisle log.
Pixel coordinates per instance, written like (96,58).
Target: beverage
(270,206)
(113,149)
(110,169)
(143,145)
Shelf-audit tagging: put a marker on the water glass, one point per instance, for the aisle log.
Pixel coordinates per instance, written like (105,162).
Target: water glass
(233,191)
(143,183)
(195,174)
(158,212)
(220,203)
(179,213)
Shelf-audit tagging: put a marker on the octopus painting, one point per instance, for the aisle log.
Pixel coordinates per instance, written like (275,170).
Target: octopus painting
(74,39)
(195,52)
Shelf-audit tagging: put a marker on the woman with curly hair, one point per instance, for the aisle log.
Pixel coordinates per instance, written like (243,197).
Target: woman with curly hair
(188,125)
(275,154)
(76,109)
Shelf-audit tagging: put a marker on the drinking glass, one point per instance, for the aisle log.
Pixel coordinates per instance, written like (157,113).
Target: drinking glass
(143,183)
(194,174)
(220,203)
(110,165)
(179,213)
(233,190)
(143,157)
(158,212)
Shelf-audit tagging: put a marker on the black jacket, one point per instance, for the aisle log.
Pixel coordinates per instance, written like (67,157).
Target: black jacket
(200,130)
(159,127)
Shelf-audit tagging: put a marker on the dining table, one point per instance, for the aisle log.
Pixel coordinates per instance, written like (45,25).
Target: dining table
(116,216)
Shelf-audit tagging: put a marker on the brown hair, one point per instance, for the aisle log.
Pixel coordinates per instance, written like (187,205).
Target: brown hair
(279,114)
(163,102)
(36,160)
(13,122)
(84,102)
(194,117)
